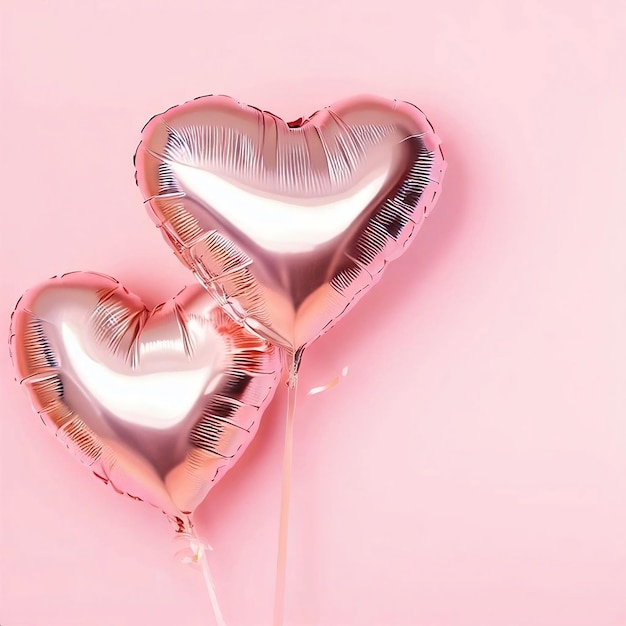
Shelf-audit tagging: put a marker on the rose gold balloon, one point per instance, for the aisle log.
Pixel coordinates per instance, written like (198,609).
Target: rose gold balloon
(160,403)
(288,225)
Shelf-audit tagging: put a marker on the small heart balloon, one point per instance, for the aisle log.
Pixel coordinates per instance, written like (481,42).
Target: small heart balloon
(160,403)
(288,225)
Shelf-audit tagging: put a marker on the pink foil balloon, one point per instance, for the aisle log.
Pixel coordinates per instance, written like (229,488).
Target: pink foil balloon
(160,403)
(288,225)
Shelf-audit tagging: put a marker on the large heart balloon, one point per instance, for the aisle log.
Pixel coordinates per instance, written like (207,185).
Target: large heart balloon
(157,403)
(287,225)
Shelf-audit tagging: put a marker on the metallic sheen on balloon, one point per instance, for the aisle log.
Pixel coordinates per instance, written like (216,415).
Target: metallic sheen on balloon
(288,225)
(159,403)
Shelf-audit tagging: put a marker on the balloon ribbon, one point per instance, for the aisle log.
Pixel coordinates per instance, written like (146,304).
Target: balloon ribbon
(197,555)
(281,565)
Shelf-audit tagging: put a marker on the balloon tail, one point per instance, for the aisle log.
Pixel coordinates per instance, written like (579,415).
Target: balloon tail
(281,564)
(196,554)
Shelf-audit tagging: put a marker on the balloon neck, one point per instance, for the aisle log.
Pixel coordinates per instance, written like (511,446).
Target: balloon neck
(294,360)
(181,525)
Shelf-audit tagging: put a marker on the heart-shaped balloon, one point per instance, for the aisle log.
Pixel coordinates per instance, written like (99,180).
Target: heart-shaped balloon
(159,403)
(288,225)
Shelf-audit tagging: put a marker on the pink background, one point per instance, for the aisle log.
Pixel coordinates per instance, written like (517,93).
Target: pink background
(471,468)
